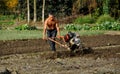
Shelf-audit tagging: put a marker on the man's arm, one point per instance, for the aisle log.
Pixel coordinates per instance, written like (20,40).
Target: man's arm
(58,29)
(44,29)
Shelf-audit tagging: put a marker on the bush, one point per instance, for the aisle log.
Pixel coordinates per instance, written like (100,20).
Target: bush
(70,27)
(118,20)
(6,23)
(104,18)
(84,19)
(25,27)
(7,17)
(103,26)
(77,27)
(116,26)
(106,26)
(0,28)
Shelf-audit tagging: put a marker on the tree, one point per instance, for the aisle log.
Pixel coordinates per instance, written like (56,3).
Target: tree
(11,4)
(106,6)
(115,8)
(28,11)
(84,6)
(43,9)
(92,5)
(3,7)
(35,18)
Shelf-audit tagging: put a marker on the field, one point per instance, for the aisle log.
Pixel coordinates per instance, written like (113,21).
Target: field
(33,56)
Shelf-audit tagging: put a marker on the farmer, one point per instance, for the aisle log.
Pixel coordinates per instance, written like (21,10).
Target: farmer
(51,28)
(73,40)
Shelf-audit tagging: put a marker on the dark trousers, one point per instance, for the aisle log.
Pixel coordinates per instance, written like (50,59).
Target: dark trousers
(52,34)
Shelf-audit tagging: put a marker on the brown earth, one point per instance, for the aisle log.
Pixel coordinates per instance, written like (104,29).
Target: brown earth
(34,56)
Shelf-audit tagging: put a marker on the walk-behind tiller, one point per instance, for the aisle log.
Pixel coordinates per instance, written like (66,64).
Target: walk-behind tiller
(71,41)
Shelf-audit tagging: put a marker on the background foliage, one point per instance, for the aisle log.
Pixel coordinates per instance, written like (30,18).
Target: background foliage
(84,13)
(61,8)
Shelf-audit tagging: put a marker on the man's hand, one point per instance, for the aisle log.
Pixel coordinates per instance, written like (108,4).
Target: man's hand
(59,36)
(44,38)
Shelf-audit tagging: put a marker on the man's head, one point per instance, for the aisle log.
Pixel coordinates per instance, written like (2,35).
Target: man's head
(51,17)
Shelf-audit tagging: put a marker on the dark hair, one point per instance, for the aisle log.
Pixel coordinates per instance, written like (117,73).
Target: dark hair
(50,14)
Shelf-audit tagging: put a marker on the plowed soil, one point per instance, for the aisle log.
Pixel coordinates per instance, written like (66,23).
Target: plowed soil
(33,56)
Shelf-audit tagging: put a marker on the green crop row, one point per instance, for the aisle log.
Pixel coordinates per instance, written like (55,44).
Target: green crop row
(103,26)
(25,27)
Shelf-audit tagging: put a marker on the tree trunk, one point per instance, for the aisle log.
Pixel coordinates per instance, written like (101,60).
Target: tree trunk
(35,11)
(43,9)
(28,11)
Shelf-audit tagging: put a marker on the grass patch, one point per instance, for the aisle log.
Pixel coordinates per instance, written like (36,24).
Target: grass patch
(104,18)
(35,34)
(84,19)
(15,34)
(86,32)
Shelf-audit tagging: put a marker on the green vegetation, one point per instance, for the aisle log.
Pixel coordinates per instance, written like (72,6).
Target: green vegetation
(6,21)
(104,18)
(91,16)
(85,32)
(106,6)
(25,27)
(16,34)
(107,26)
(75,27)
(35,34)
(7,17)
(60,8)
(84,19)
(6,24)
(103,26)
